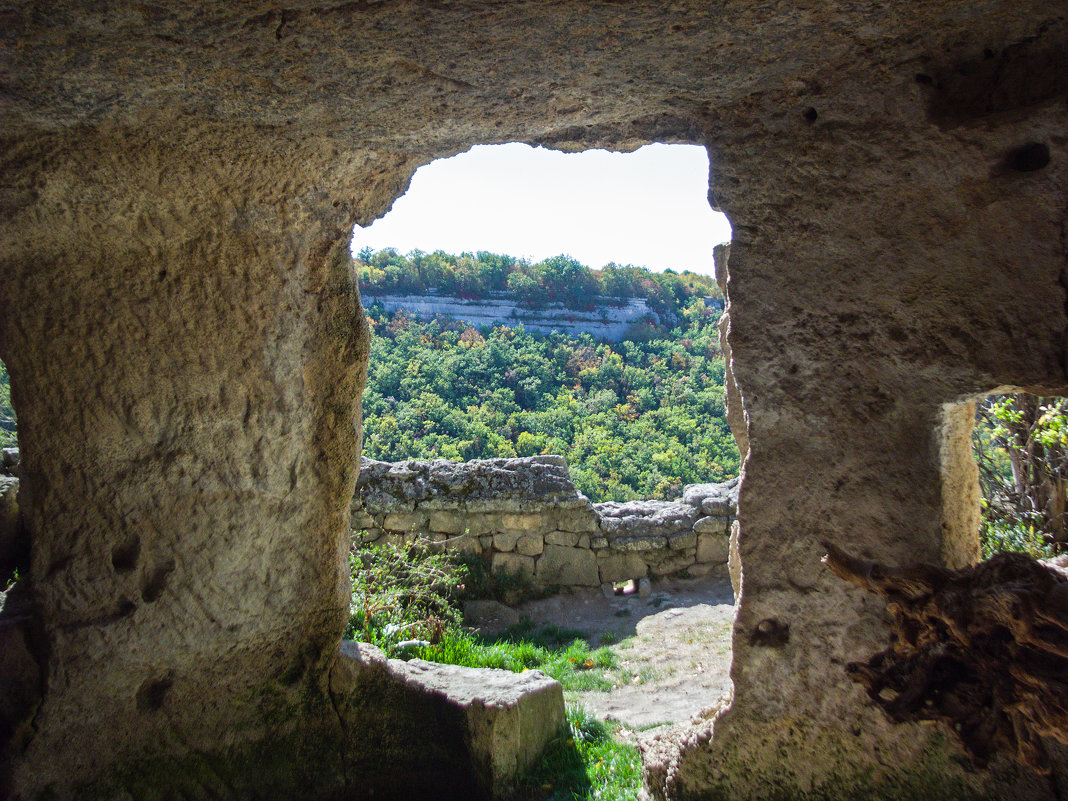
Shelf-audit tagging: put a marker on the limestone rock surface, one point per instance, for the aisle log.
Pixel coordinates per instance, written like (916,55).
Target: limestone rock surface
(471,730)
(504,484)
(187,348)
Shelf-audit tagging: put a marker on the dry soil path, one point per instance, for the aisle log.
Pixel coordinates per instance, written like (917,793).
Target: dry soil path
(674,648)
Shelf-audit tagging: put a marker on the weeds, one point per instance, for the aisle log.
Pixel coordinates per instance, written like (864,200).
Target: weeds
(585,762)
(402,593)
(575,666)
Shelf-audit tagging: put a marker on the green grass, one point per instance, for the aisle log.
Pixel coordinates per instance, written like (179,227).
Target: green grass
(573,664)
(400,594)
(584,763)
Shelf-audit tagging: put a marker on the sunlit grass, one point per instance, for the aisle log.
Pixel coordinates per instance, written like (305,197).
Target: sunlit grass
(585,763)
(574,665)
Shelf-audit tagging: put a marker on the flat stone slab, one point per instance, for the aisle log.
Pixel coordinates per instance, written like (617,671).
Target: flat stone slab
(505,719)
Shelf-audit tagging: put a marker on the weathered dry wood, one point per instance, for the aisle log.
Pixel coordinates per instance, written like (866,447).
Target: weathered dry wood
(983,650)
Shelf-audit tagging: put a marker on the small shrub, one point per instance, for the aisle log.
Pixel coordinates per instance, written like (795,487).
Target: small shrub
(402,592)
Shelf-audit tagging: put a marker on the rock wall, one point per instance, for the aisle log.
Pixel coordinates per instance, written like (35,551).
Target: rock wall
(185,347)
(609,322)
(524,517)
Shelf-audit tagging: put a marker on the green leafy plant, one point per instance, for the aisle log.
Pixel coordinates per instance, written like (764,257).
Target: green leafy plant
(1020,444)
(8,423)
(402,592)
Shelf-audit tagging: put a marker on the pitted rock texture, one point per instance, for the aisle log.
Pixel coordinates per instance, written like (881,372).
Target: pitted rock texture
(713,499)
(186,352)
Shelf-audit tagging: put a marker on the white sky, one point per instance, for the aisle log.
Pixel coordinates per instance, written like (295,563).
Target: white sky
(648,208)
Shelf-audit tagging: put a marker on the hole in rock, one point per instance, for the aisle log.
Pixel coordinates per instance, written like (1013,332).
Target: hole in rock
(125,555)
(1018,447)
(1029,157)
(157,582)
(525,303)
(152,694)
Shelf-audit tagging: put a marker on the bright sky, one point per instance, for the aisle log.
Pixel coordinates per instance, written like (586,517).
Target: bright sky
(648,208)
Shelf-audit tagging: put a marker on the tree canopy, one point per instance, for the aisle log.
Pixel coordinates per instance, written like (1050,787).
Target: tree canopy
(559,279)
(637,419)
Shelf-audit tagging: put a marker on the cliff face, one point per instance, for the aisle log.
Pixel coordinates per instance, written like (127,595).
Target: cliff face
(609,321)
(186,345)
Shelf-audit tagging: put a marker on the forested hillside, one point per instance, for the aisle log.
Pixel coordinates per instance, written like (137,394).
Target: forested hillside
(559,279)
(635,420)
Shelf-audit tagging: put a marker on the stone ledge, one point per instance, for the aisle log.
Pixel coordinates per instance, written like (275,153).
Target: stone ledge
(502,721)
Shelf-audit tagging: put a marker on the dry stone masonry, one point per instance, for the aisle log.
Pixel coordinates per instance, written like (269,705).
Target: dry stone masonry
(524,517)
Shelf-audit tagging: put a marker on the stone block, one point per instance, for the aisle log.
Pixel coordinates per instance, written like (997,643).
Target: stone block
(583,541)
(702,570)
(681,541)
(622,567)
(513,564)
(465,544)
(435,543)
(678,562)
(639,543)
(569,567)
(521,522)
(530,545)
(491,522)
(391,539)
(503,720)
(712,548)
(487,541)
(566,538)
(599,542)
(447,522)
(505,540)
(371,535)
(578,520)
(362,520)
(712,524)
(405,521)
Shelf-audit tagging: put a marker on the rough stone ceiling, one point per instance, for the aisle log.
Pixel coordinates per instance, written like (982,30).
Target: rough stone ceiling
(430,78)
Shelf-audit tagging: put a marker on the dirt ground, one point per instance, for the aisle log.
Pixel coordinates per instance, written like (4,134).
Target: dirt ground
(674,647)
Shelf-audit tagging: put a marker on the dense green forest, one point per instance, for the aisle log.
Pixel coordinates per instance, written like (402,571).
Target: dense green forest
(559,279)
(638,419)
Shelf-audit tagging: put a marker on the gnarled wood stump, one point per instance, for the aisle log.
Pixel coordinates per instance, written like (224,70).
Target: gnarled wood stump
(983,649)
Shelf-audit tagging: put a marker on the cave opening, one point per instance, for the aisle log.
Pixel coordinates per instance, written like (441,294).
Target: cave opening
(425,302)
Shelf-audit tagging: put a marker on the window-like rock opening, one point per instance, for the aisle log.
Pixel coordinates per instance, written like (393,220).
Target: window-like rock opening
(13,548)
(506,350)
(1020,443)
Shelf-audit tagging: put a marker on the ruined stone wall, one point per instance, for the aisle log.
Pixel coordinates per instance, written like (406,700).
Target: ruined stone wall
(524,517)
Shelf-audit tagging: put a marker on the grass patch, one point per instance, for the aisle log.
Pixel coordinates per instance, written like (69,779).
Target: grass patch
(404,601)
(574,664)
(584,763)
